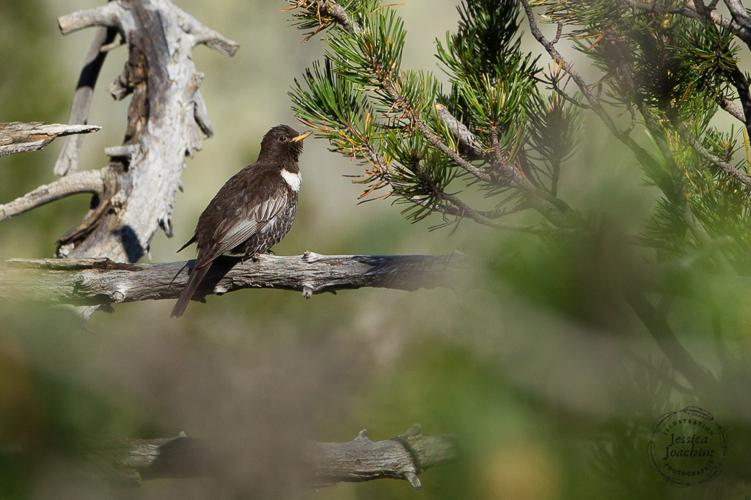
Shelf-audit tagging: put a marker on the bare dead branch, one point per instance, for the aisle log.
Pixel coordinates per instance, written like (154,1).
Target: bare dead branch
(17,137)
(201,115)
(102,281)
(89,181)
(206,36)
(161,132)
(108,15)
(67,161)
(324,464)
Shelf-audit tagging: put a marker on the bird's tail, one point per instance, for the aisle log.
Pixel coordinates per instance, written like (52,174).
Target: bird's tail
(196,277)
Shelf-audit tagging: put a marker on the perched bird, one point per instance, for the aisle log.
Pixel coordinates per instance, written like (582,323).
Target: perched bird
(252,212)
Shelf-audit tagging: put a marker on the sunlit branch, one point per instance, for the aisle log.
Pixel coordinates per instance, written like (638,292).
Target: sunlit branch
(89,181)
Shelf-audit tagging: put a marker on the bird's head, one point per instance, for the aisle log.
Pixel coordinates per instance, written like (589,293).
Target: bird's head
(283,143)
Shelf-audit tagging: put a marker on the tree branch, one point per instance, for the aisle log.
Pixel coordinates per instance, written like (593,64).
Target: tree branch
(108,15)
(166,119)
(594,102)
(326,11)
(413,116)
(726,167)
(733,109)
(467,141)
(402,457)
(89,181)
(739,12)
(708,14)
(67,161)
(204,35)
(17,137)
(668,343)
(102,281)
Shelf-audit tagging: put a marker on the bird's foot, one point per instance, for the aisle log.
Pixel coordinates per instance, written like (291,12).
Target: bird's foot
(255,257)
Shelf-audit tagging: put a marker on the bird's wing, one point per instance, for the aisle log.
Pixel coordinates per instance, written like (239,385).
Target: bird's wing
(254,214)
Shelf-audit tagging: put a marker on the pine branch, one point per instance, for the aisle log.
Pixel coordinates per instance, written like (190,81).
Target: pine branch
(467,141)
(325,12)
(727,168)
(689,9)
(413,115)
(594,101)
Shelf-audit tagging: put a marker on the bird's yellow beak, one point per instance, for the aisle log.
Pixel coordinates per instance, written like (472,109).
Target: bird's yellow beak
(301,137)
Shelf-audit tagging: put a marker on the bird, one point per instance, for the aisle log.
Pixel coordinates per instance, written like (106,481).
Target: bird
(252,212)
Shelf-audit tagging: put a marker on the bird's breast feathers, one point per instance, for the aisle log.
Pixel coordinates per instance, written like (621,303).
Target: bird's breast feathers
(292,179)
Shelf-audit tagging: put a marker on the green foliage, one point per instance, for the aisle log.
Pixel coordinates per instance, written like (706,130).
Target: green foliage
(493,80)
(370,108)
(673,71)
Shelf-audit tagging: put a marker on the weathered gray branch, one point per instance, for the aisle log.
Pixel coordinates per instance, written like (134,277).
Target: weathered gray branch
(89,181)
(108,15)
(204,35)
(17,137)
(402,457)
(67,161)
(102,281)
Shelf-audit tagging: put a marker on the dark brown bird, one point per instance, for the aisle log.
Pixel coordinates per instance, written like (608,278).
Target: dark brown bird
(252,212)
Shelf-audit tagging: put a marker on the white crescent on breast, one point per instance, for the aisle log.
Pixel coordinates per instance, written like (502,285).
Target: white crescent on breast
(293,180)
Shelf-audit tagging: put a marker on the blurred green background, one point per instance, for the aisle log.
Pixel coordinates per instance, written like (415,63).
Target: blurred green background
(550,386)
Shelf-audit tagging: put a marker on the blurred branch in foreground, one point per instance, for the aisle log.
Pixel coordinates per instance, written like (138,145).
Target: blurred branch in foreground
(102,281)
(401,457)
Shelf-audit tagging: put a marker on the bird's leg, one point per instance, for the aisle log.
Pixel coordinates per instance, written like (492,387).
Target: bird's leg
(254,256)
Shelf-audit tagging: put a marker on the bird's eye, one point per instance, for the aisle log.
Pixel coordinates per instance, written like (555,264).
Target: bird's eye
(284,138)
